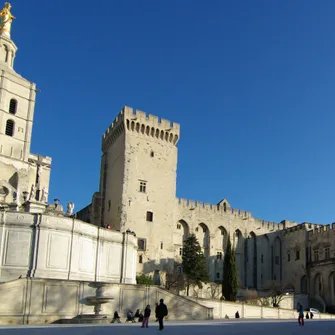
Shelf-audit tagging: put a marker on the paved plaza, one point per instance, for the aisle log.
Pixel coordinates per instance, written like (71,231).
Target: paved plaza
(214,327)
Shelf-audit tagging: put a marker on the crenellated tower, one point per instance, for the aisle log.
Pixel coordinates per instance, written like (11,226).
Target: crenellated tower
(138,179)
(138,166)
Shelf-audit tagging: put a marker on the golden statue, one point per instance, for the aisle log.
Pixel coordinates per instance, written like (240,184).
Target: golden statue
(6,19)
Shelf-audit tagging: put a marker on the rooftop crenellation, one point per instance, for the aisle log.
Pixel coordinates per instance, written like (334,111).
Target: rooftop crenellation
(142,123)
(322,229)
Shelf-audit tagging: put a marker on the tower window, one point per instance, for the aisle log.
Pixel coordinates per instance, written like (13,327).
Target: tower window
(109,205)
(327,253)
(12,106)
(262,259)
(316,255)
(297,254)
(140,259)
(9,128)
(143,186)
(152,154)
(141,243)
(217,275)
(150,216)
(178,226)
(219,255)
(180,251)
(288,257)
(162,245)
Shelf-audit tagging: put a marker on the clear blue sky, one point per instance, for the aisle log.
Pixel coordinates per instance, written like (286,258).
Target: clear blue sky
(251,83)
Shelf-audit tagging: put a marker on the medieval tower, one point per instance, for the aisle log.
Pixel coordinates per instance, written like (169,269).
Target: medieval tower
(138,179)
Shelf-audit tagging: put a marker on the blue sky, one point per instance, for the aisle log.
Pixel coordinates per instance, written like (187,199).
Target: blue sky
(250,82)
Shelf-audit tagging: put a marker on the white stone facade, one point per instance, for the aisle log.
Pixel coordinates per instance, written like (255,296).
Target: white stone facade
(58,247)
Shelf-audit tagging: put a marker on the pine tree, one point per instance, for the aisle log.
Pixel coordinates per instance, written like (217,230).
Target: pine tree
(230,278)
(194,263)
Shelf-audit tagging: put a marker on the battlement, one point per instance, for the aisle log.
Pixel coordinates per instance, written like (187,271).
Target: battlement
(270,225)
(206,207)
(150,120)
(322,229)
(143,124)
(297,228)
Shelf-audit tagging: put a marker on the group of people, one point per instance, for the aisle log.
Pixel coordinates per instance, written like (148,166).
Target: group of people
(161,311)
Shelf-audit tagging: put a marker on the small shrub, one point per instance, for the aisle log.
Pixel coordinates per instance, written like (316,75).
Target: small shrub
(144,280)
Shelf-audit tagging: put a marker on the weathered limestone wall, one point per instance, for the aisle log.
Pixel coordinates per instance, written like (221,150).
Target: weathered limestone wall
(212,225)
(294,256)
(34,301)
(321,283)
(142,149)
(45,246)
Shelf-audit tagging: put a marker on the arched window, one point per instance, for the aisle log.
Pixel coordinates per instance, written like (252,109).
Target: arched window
(12,106)
(10,128)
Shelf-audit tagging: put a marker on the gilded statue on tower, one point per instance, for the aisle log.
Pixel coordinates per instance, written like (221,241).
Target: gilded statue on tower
(6,19)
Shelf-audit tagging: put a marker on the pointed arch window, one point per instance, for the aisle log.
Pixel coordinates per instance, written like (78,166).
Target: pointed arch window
(12,106)
(9,128)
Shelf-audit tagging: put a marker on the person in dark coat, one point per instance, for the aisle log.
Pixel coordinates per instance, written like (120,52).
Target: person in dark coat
(162,311)
(116,317)
(146,317)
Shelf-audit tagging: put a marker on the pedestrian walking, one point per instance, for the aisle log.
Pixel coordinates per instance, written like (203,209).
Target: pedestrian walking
(146,317)
(116,317)
(162,311)
(301,316)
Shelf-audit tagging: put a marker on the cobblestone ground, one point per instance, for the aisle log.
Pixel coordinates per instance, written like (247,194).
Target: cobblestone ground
(216,327)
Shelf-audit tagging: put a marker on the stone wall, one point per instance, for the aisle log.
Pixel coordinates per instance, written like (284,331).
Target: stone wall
(46,246)
(35,301)
(223,308)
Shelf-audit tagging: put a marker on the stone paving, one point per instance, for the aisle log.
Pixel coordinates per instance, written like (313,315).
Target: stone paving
(215,327)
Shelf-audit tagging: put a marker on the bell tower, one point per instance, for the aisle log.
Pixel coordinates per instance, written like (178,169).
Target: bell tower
(20,171)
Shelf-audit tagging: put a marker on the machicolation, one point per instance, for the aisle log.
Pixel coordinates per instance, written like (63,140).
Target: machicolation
(143,124)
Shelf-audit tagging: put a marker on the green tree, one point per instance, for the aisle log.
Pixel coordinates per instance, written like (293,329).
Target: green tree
(230,277)
(194,263)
